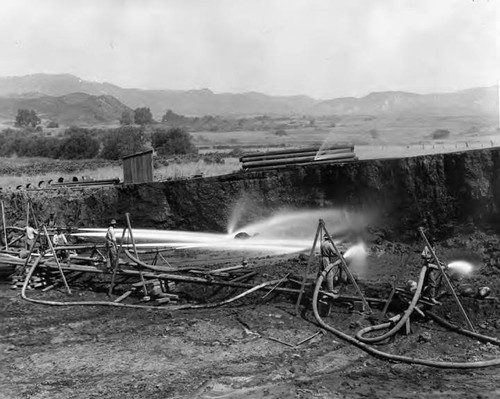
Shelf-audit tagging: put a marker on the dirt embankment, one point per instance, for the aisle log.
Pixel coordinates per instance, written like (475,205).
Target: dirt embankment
(449,191)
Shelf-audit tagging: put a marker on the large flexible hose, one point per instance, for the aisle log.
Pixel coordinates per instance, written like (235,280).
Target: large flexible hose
(360,334)
(125,305)
(453,327)
(389,356)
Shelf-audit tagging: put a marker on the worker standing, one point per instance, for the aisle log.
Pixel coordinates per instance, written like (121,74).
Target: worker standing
(430,278)
(58,240)
(30,237)
(111,246)
(329,256)
(51,221)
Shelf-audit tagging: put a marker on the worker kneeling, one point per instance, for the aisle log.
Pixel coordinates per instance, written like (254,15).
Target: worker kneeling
(335,278)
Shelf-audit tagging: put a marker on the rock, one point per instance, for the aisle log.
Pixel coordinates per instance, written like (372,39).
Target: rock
(424,337)
(303,257)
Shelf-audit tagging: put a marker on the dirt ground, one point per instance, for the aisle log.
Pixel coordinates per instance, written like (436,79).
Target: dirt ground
(231,351)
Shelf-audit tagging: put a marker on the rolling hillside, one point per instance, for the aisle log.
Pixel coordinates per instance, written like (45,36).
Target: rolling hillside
(475,101)
(74,108)
(466,102)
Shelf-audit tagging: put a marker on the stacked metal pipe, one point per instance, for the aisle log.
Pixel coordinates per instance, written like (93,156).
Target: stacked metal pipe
(305,156)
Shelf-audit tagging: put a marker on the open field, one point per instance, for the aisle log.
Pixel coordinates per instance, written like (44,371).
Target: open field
(373,137)
(360,130)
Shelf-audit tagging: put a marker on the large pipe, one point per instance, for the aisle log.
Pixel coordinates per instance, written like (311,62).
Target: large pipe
(265,156)
(295,150)
(87,183)
(272,162)
(332,161)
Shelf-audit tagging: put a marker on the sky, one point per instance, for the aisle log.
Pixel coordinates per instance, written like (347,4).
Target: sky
(321,48)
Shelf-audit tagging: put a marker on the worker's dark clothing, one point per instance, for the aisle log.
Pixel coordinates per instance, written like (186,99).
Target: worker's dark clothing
(112,248)
(430,281)
(50,222)
(329,256)
(431,275)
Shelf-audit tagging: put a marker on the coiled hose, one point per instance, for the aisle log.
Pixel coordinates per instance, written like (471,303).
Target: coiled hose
(360,334)
(389,356)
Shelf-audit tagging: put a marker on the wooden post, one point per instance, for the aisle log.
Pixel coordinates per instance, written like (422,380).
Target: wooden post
(445,277)
(127,217)
(393,291)
(23,268)
(278,283)
(4,228)
(346,268)
(115,267)
(27,222)
(55,257)
(311,256)
(33,214)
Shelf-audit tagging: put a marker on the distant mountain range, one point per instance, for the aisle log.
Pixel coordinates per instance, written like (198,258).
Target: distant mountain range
(67,98)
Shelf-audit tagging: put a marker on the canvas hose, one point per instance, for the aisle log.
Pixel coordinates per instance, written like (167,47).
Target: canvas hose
(124,305)
(389,356)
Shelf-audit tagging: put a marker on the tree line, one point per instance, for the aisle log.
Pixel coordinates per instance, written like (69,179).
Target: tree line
(82,143)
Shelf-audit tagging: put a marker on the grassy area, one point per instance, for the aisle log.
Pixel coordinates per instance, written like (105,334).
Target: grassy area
(373,137)
(190,169)
(23,171)
(360,130)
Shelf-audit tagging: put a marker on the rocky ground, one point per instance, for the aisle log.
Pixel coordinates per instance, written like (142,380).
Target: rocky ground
(234,351)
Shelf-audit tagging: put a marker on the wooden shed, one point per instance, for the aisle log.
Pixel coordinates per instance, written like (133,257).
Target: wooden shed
(138,168)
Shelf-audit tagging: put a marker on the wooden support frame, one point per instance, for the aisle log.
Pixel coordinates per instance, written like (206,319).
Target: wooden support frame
(55,257)
(308,267)
(4,228)
(343,264)
(445,277)
(128,228)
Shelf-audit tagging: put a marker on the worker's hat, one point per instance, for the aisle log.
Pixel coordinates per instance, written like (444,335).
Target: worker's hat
(113,221)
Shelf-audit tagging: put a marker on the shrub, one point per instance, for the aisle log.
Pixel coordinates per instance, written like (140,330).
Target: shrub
(172,141)
(374,133)
(127,118)
(52,125)
(27,118)
(440,134)
(78,144)
(123,141)
(171,117)
(143,116)
(236,152)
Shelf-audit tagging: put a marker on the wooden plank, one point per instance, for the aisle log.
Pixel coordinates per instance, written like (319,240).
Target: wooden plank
(154,282)
(171,296)
(123,296)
